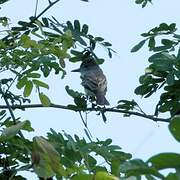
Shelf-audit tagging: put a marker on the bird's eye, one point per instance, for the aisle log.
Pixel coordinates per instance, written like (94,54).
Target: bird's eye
(85,66)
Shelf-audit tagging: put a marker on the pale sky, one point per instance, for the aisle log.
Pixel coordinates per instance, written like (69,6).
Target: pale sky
(121,23)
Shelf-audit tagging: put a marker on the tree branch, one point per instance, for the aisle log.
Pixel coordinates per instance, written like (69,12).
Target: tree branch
(47,8)
(28,106)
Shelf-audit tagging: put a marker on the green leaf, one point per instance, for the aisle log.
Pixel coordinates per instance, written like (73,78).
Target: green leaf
(56,29)
(109,53)
(40,83)
(80,102)
(74,59)
(167,42)
(176,36)
(91,161)
(170,79)
(160,48)
(77,53)
(4,20)
(46,70)
(166,106)
(2,112)
(62,62)
(164,56)
(69,25)
(172,176)
(101,175)
(143,89)
(107,44)
(151,43)
(77,25)
(28,88)
(39,25)
(44,100)
(71,92)
(125,104)
(138,46)
(172,27)
(139,1)
(163,27)
(22,82)
(162,61)
(45,21)
(165,160)
(33,75)
(85,28)
(12,131)
(99,39)
(82,177)
(115,164)
(100,61)
(71,143)
(78,38)
(174,127)
(48,163)
(137,167)
(27,126)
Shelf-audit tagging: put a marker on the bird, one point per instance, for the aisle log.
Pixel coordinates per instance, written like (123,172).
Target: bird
(93,80)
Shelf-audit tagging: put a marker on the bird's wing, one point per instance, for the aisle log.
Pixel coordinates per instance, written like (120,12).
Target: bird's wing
(95,83)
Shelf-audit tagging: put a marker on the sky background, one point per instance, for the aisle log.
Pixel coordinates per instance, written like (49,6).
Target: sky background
(121,23)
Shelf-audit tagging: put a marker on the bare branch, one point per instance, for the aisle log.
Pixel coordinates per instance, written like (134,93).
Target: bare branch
(46,9)
(36,7)
(151,117)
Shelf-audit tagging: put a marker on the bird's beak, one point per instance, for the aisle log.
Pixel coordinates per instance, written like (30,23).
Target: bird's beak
(76,70)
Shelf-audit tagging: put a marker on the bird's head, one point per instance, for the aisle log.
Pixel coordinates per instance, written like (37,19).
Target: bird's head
(86,65)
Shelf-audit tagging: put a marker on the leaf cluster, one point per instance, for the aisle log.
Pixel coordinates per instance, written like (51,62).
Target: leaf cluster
(164,68)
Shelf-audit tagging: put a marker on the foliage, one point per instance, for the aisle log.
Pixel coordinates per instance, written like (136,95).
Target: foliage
(32,51)
(143,2)
(163,71)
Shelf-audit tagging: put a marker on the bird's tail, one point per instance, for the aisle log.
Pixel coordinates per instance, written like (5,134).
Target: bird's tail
(101,100)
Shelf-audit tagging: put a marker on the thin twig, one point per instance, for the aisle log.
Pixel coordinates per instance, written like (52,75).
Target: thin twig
(86,117)
(47,8)
(26,106)
(82,119)
(12,82)
(36,6)
(141,109)
(85,124)
(9,107)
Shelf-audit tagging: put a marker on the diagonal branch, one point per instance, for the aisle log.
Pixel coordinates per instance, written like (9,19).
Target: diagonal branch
(46,9)
(9,107)
(28,106)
